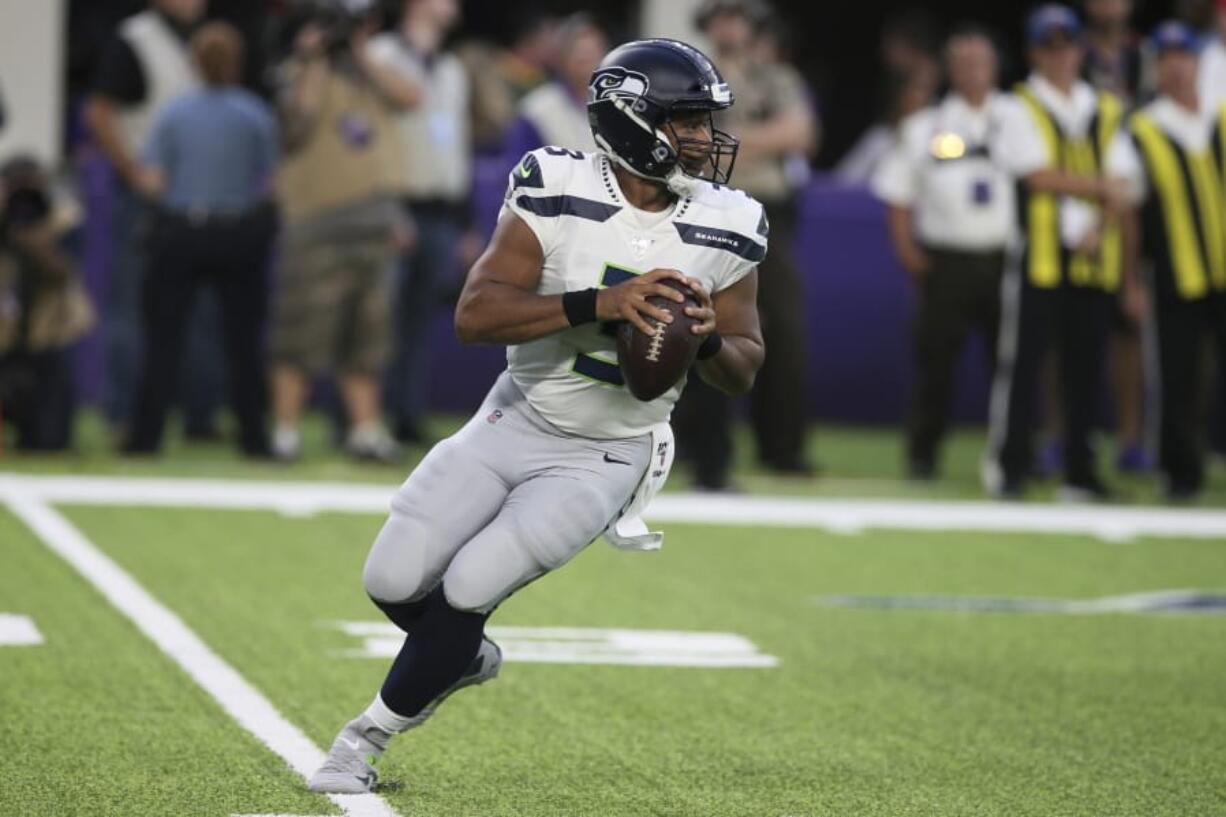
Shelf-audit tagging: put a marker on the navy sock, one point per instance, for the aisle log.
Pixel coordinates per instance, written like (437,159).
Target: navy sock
(443,643)
(404,614)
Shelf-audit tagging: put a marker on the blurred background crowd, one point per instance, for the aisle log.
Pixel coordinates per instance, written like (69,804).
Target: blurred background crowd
(250,210)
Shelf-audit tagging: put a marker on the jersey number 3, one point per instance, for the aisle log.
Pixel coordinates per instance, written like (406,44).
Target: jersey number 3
(598,369)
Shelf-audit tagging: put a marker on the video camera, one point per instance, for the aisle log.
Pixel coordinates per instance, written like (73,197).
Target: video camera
(338,19)
(26,201)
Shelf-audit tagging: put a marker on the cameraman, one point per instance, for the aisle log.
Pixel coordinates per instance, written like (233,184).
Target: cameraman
(43,311)
(338,189)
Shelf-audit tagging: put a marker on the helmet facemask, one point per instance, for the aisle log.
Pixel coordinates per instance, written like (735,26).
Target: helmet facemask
(710,159)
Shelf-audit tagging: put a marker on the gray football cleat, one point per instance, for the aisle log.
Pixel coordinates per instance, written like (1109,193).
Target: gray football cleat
(349,768)
(483,668)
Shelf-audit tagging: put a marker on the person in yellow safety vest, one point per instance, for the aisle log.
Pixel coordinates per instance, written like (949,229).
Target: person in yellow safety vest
(1178,183)
(1065,267)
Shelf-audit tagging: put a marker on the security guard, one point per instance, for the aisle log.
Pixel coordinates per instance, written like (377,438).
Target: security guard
(951,215)
(1217,418)
(774,122)
(1183,243)
(1067,265)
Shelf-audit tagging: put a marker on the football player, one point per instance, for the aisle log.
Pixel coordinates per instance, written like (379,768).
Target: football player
(561,452)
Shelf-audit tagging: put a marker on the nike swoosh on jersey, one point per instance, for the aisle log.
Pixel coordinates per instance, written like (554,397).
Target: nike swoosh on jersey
(607,458)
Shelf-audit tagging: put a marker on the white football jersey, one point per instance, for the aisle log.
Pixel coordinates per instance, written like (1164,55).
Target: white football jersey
(591,237)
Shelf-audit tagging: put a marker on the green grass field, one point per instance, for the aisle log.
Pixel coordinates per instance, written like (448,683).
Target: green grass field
(868,712)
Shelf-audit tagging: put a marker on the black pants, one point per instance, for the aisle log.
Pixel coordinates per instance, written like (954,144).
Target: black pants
(38,398)
(703,422)
(1183,327)
(230,255)
(960,292)
(1072,321)
(1217,414)
(778,407)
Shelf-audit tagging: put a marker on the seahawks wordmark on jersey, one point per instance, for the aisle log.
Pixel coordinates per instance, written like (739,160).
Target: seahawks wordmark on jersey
(591,237)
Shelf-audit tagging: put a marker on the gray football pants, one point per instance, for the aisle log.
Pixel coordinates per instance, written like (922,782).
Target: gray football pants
(503,501)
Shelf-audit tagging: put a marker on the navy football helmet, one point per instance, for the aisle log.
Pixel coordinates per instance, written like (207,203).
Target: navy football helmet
(635,94)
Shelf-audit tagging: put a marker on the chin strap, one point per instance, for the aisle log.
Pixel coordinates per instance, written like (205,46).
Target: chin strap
(678,181)
(681,183)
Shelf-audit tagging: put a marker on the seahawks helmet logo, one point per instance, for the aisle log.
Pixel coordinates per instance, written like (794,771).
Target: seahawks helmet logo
(615,82)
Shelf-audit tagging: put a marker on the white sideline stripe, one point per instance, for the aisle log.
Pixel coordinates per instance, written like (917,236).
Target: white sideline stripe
(547,653)
(580,645)
(1112,524)
(520,633)
(18,631)
(243,702)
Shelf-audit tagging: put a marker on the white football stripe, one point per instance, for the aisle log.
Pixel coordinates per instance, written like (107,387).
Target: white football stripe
(576,645)
(18,631)
(1114,524)
(242,701)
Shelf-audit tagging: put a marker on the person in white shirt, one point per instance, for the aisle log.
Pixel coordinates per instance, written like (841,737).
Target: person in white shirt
(1212,77)
(1175,174)
(1067,264)
(145,66)
(436,145)
(1118,61)
(556,112)
(950,204)
(1212,83)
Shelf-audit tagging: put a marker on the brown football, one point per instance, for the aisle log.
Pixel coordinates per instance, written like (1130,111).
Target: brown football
(652,364)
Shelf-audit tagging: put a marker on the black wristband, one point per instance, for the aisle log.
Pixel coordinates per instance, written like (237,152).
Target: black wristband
(579,306)
(710,346)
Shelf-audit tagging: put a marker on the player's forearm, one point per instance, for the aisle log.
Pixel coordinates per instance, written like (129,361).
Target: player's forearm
(302,100)
(791,132)
(401,92)
(1063,183)
(100,116)
(500,313)
(734,368)
(900,225)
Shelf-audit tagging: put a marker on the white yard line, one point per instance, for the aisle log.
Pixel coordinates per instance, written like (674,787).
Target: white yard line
(18,631)
(242,701)
(583,645)
(1110,523)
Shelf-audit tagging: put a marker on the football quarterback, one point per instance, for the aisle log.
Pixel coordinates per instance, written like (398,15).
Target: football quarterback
(561,453)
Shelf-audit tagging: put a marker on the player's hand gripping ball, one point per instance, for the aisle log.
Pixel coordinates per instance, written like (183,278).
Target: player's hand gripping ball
(652,363)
